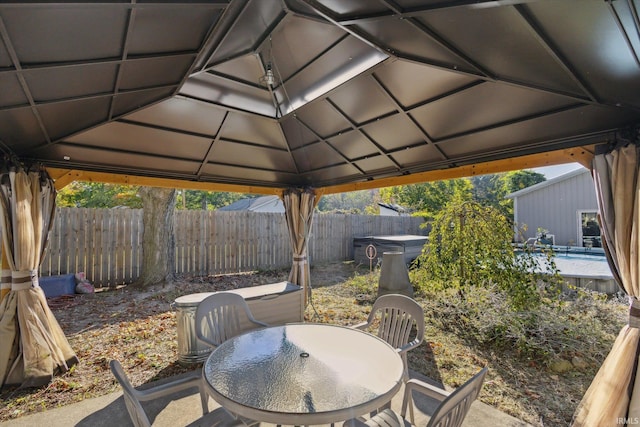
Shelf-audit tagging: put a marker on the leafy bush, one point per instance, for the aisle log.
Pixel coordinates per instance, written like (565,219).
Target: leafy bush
(561,328)
(572,325)
(470,246)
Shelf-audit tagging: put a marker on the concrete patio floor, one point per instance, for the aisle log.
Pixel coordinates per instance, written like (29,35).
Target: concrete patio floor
(184,410)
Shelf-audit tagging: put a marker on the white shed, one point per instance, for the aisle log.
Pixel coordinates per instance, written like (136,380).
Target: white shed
(564,206)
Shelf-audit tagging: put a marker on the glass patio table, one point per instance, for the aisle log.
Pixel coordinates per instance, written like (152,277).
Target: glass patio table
(303,374)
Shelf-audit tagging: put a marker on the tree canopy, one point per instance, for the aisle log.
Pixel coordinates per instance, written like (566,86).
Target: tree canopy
(491,190)
(206,200)
(358,202)
(518,180)
(428,198)
(99,195)
(425,199)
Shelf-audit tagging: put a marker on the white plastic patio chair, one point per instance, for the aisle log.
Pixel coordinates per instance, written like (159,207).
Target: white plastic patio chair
(451,411)
(133,397)
(223,315)
(398,316)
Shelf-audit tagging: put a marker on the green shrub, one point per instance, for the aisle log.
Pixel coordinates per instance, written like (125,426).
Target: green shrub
(559,328)
(470,245)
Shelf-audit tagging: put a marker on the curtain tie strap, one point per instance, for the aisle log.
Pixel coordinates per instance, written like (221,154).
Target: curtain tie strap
(5,279)
(25,279)
(300,259)
(634,313)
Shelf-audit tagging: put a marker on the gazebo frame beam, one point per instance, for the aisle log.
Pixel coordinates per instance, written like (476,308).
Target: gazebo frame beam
(583,155)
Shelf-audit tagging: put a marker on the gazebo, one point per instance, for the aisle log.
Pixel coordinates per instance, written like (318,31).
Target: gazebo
(302,98)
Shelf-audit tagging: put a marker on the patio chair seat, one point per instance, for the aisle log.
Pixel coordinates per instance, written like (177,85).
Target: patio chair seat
(134,397)
(451,411)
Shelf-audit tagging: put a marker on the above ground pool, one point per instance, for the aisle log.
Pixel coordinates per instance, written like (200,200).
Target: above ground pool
(584,268)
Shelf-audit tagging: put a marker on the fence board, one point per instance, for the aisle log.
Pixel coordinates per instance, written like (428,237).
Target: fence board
(217,219)
(107,243)
(212,229)
(179,240)
(118,246)
(128,245)
(96,278)
(105,253)
(202,238)
(52,255)
(65,248)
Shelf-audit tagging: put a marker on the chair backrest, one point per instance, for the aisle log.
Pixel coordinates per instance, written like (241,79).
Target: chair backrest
(130,394)
(221,316)
(398,314)
(454,408)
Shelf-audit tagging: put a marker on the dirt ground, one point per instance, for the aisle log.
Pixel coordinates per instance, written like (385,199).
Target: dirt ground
(136,327)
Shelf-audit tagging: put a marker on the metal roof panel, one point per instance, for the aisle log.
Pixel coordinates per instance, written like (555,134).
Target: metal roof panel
(361,90)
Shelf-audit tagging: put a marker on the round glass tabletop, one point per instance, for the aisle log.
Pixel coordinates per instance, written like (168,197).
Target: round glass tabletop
(303,373)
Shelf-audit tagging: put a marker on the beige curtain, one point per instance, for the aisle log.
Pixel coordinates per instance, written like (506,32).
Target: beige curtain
(5,274)
(34,347)
(298,209)
(614,394)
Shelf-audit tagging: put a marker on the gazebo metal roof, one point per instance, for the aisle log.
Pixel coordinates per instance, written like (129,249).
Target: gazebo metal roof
(361,91)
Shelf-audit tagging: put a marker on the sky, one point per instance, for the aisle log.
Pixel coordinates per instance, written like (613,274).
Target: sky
(552,171)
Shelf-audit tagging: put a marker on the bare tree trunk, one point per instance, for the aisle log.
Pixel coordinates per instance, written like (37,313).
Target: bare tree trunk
(158,239)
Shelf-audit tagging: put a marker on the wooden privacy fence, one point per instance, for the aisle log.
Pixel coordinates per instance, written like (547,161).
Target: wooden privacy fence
(106,244)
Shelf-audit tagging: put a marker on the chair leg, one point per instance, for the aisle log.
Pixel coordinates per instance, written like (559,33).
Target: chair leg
(405,379)
(405,365)
(412,418)
(204,399)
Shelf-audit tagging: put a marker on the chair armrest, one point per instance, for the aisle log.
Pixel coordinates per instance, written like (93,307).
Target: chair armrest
(427,389)
(193,380)
(421,387)
(254,320)
(362,325)
(410,345)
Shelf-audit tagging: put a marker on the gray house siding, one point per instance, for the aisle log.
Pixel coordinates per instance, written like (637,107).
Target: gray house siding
(555,205)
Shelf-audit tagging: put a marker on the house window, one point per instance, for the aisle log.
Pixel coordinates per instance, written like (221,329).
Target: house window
(590,230)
